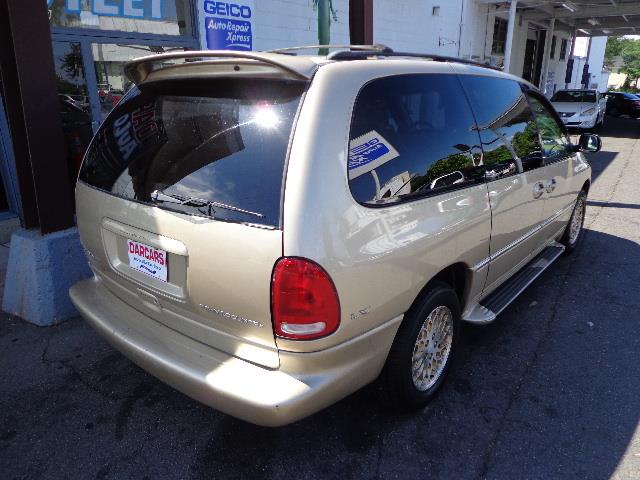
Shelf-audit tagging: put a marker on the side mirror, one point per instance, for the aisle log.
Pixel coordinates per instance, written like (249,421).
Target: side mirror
(589,142)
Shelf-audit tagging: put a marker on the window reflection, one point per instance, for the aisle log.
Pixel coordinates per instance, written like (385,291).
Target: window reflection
(506,125)
(218,141)
(412,135)
(73,102)
(109,62)
(162,17)
(555,142)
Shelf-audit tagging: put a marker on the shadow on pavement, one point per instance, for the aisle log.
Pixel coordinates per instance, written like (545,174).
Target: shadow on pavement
(550,390)
(600,162)
(619,127)
(612,204)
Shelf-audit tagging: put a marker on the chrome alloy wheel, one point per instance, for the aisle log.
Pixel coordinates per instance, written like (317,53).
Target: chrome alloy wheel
(576,221)
(432,348)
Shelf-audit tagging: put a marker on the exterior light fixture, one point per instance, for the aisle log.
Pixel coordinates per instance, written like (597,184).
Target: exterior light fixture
(570,6)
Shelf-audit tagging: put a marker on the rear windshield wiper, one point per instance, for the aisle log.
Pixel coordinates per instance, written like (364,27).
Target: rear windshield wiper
(158,196)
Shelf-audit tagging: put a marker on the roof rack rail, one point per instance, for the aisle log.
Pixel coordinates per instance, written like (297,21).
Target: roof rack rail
(359,55)
(378,47)
(139,69)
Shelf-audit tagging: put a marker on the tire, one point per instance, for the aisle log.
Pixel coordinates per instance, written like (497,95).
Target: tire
(408,387)
(571,238)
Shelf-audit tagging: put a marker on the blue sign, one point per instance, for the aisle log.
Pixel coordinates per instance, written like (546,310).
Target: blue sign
(148,9)
(228,34)
(366,153)
(229,27)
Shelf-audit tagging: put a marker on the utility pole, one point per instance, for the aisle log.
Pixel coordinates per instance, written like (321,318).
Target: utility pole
(361,22)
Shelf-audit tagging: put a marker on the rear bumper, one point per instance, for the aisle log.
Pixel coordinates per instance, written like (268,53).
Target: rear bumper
(304,384)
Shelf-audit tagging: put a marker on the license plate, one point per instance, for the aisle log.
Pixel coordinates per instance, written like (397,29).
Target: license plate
(148,260)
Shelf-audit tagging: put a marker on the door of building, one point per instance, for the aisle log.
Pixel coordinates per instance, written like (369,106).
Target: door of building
(537,69)
(529,59)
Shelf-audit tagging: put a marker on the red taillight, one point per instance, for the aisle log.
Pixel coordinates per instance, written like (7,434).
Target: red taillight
(304,300)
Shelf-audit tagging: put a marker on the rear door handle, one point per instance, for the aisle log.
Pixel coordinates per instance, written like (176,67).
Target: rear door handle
(538,190)
(551,185)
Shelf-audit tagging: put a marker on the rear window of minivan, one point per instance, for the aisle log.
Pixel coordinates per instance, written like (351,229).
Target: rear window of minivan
(208,147)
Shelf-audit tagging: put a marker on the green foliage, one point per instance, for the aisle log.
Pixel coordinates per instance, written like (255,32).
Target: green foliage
(629,50)
(526,142)
(614,48)
(72,61)
(631,59)
(497,155)
(448,164)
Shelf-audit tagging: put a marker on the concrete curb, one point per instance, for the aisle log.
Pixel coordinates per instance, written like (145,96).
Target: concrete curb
(40,271)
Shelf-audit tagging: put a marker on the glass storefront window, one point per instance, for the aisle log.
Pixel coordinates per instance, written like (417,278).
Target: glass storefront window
(73,101)
(109,61)
(160,17)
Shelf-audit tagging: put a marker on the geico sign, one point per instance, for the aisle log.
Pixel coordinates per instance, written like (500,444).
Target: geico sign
(117,8)
(227,9)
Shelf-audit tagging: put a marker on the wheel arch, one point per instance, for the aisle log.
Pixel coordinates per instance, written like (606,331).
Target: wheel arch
(457,276)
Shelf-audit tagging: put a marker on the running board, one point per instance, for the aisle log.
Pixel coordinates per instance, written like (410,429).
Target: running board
(489,307)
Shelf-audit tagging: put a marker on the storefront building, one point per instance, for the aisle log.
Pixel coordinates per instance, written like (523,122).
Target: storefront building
(88,41)
(91,42)
(62,72)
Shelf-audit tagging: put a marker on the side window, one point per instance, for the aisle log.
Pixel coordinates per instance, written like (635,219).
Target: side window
(506,124)
(412,135)
(555,143)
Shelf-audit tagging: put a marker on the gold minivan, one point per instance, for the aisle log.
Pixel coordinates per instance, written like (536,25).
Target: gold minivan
(269,232)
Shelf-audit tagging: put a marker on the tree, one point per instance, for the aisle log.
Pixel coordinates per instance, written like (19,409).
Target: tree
(628,50)
(71,62)
(614,47)
(631,61)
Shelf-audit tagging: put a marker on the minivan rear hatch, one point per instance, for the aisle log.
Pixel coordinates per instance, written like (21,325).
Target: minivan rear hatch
(179,205)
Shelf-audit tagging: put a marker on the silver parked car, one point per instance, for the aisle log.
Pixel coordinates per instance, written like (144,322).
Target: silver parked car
(583,109)
(269,232)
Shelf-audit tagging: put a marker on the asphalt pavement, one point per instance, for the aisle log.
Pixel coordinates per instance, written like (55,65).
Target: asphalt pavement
(550,390)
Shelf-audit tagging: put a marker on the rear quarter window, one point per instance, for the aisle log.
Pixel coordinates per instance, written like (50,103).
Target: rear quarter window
(210,147)
(412,136)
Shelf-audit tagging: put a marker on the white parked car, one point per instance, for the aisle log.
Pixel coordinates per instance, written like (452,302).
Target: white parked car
(580,108)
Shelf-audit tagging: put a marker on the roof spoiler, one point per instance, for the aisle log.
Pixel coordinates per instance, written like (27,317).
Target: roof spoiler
(138,70)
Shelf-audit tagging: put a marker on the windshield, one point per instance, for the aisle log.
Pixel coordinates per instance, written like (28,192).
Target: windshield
(216,140)
(574,96)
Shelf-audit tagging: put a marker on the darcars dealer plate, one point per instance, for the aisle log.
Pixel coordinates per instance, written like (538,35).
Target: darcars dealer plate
(148,260)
